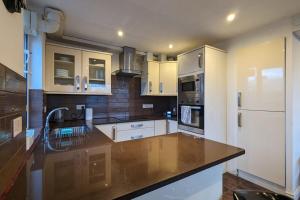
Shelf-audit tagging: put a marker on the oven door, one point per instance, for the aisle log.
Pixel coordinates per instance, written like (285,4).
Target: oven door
(193,119)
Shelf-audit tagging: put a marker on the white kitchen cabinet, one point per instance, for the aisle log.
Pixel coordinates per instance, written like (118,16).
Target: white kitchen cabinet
(159,79)
(172,126)
(96,73)
(63,69)
(76,71)
(128,131)
(134,134)
(168,78)
(160,127)
(150,78)
(191,62)
(261,76)
(215,94)
(262,135)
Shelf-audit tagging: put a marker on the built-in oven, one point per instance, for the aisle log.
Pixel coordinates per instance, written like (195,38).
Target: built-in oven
(191,103)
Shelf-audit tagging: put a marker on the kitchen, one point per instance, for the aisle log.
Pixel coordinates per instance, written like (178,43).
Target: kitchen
(129,100)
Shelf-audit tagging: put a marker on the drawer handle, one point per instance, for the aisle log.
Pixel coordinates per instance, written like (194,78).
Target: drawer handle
(136,137)
(136,125)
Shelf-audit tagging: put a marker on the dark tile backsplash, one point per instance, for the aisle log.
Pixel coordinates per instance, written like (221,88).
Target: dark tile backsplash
(12,105)
(124,101)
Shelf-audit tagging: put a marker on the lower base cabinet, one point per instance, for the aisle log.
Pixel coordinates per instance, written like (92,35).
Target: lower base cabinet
(136,130)
(172,126)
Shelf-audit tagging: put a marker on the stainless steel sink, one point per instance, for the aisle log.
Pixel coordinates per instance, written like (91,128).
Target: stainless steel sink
(67,132)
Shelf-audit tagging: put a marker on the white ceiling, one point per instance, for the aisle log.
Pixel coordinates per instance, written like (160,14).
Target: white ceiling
(150,25)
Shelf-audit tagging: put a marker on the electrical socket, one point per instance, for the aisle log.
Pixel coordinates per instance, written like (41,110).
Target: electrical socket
(147,106)
(79,107)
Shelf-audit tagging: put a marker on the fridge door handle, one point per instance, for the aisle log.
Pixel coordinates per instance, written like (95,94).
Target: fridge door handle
(239,99)
(239,119)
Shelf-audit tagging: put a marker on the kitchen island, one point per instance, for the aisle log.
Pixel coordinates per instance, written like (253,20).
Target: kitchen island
(174,166)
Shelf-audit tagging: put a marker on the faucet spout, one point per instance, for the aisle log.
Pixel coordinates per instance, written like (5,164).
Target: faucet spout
(47,128)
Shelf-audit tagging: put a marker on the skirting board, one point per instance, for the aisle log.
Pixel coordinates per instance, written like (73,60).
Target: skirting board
(263,183)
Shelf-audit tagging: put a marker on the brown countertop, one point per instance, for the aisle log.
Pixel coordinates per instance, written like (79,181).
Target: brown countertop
(94,167)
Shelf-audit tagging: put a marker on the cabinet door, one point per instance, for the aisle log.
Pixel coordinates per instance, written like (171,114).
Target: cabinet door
(261,75)
(153,78)
(191,62)
(63,69)
(96,74)
(172,126)
(160,127)
(168,78)
(262,135)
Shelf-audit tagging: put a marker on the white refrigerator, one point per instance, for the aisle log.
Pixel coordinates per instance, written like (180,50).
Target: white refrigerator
(261,109)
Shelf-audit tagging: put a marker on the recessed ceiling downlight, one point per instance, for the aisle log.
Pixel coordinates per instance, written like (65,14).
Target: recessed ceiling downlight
(170,46)
(231,17)
(120,33)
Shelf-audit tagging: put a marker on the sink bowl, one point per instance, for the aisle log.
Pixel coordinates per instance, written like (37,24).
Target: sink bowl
(67,132)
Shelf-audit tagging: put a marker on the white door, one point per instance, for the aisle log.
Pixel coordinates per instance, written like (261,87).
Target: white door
(262,135)
(96,73)
(261,76)
(63,69)
(168,78)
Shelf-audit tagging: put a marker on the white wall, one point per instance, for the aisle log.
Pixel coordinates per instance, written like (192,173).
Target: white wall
(37,61)
(279,29)
(296,114)
(11,40)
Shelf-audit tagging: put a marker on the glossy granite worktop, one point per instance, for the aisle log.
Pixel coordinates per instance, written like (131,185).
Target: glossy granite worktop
(94,167)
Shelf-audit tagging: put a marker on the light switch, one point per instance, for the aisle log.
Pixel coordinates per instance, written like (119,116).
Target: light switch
(17,126)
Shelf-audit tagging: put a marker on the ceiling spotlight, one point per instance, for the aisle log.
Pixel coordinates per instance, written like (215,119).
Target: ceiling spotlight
(170,46)
(231,17)
(120,33)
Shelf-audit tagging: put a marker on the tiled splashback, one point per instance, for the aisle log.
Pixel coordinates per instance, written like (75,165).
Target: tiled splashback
(124,101)
(12,106)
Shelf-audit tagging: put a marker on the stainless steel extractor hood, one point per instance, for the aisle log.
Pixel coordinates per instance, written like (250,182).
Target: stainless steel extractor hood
(127,63)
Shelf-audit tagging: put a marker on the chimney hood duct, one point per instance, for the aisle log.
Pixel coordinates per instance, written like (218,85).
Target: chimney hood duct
(127,63)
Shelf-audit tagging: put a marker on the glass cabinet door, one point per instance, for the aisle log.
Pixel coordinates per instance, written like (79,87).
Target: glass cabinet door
(96,72)
(63,69)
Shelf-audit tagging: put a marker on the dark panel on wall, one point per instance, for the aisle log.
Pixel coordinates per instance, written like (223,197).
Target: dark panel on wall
(125,101)
(12,105)
(36,108)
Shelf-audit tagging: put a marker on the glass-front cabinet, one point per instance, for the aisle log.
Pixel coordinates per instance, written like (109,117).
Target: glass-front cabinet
(73,71)
(96,72)
(63,69)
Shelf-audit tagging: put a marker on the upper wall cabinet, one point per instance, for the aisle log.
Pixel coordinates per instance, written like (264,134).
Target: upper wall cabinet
(159,79)
(74,71)
(191,62)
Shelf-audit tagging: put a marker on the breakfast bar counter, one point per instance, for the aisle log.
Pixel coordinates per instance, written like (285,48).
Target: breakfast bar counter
(95,167)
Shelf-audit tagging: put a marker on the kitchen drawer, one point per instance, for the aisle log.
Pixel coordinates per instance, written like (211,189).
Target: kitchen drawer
(135,125)
(134,134)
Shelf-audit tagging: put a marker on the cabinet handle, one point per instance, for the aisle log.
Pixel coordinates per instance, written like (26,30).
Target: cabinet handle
(239,99)
(150,86)
(113,133)
(136,125)
(239,120)
(136,137)
(199,60)
(161,87)
(77,82)
(85,83)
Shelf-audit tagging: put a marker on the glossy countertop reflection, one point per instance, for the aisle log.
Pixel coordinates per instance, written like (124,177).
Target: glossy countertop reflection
(94,167)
